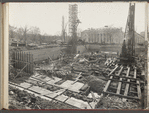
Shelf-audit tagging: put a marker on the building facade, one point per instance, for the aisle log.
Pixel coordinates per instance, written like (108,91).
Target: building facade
(108,36)
(103,36)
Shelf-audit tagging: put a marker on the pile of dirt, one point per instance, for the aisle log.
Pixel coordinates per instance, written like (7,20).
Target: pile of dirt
(95,83)
(114,102)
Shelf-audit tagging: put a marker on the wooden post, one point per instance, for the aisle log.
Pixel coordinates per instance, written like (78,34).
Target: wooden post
(32,64)
(14,59)
(20,59)
(27,65)
(25,60)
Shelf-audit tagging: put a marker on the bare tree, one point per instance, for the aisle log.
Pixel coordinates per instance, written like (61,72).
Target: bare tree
(12,31)
(22,33)
(35,32)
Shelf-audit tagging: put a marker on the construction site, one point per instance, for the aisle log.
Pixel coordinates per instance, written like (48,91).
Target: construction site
(81,74)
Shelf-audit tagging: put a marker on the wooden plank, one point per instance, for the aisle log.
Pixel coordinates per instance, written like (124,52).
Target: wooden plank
(109,63)
(109,81)
(127,77)
(120,95)
(29,62)
(107,85)
(138,86)
(120,83)
(77,78)
(123,90)
(19,59)
(135,72)
(32,63)
(139,90)
(25,60)
(119,87)
(113,70)
(22,59)
(128,80)
(16,59)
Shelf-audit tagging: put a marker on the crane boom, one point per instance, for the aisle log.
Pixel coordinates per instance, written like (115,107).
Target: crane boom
(128,47)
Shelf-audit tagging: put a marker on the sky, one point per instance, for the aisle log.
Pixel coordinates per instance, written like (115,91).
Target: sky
(48,16)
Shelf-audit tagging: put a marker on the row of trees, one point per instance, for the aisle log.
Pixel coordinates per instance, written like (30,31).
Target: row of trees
(30,35)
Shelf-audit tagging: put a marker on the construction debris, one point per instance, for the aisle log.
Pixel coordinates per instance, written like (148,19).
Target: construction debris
(84,79)
(113,102)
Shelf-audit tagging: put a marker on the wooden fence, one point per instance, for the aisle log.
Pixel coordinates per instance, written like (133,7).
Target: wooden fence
(23,61)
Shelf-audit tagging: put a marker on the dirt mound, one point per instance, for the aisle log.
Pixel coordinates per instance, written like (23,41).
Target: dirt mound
(96,84)
(114,102)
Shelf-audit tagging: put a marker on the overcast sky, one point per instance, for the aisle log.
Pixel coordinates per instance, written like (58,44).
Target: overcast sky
(48,16)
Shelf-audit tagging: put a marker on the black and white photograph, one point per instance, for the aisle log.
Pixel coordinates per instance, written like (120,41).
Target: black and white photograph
(77,55)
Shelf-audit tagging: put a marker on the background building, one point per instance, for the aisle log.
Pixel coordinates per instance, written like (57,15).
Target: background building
(103,36)
(108,36)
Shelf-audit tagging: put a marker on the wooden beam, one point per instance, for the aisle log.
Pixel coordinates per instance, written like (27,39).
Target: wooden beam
(135,73)
(77,78)
(127,77)
(120,83)
(138,86)
(107,85)
(123,81)
(130,97)
(113,70)
(123,90)
(109,81)
(128,80)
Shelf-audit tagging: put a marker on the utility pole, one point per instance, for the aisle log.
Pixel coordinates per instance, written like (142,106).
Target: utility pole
(63,29)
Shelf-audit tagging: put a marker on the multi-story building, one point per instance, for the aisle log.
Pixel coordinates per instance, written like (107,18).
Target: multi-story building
(109,36)
(103,35)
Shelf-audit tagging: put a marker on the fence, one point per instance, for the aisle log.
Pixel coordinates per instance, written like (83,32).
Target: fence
(23,61)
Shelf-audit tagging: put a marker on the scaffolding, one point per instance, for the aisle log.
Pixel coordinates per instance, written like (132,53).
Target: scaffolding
(73,18)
